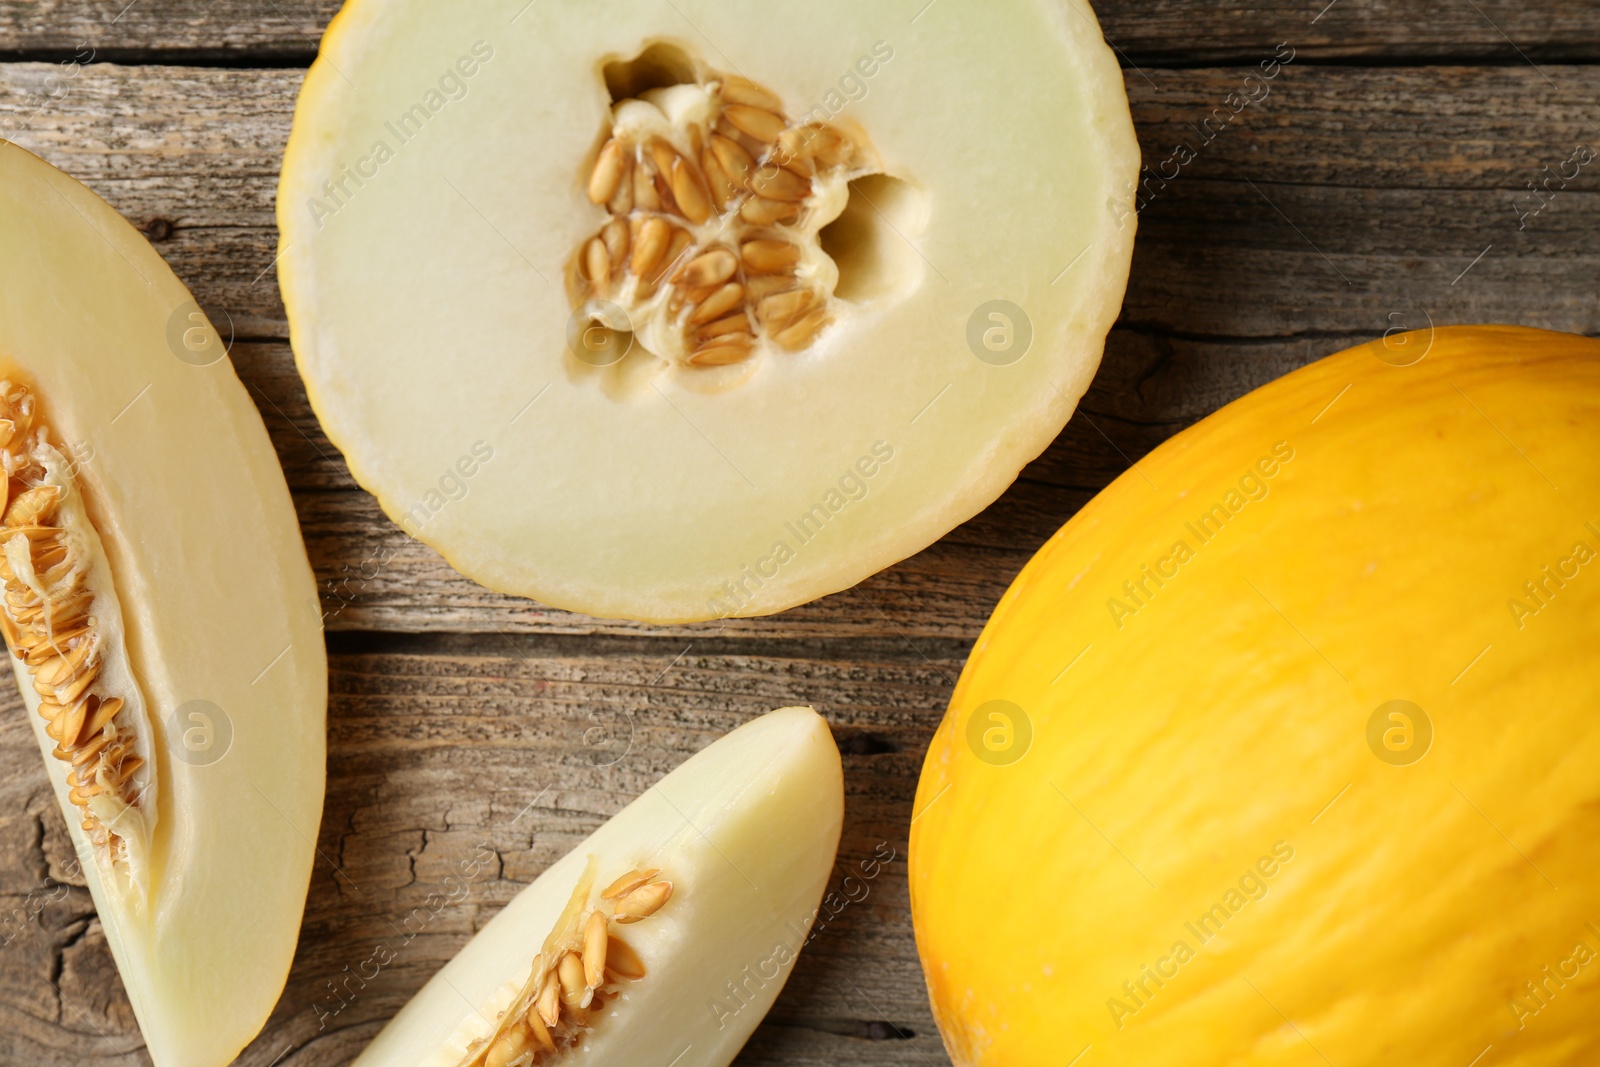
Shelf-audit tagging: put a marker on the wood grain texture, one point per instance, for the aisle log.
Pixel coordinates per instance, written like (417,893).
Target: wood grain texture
(1345,201)
(522,747)
(1342,203)
(1339,195)
(1144,31)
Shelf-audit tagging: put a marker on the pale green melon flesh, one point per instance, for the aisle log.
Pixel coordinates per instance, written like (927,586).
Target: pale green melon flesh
(746,830)
(422,268)
(217,604)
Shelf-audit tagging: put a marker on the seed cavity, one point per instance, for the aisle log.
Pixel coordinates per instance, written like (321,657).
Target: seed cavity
(61,619)
(583,967)
(708,185)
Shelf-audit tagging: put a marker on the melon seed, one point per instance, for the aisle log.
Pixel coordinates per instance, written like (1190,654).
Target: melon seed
(47,619)
(583,967)
(739,177)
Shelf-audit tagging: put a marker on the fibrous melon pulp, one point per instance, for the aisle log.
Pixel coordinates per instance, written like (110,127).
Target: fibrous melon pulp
(161,613)
(1284,750)
(665,936)
(745,301)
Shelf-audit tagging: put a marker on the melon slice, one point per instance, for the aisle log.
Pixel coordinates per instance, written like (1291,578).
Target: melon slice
(678,311)
(668,933)
(161,613)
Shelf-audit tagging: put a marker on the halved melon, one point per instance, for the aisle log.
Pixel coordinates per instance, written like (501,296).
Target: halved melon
(684,311)
(161,613)
(664,937)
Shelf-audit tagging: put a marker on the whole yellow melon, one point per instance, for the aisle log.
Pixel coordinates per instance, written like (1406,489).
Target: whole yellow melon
(1286,749)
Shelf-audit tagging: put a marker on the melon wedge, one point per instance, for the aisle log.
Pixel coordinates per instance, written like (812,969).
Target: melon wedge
(162,615)
(693,310)
(697,897)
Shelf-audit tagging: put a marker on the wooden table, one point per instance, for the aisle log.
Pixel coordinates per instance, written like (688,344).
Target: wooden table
(1384,182)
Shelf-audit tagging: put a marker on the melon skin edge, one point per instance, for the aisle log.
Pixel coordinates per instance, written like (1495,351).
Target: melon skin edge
(1229,745)
(218,601)
(359,30)
(747,828)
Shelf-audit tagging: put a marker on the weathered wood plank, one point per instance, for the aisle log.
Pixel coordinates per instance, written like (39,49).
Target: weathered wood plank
(1310,221)
(190,156)
(490,743)
(1154,32)
(1148,32)
(1339,198)
(1345,202)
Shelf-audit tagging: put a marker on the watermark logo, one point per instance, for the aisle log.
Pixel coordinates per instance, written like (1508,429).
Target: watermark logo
(852,485)
(24,103)
(345,987)
(1251,887)
(347,179)
(1155,177)
(1399,733)
(599,333)
(1544,587)
(193,339)
(610,739)
(999,733)
(1532,203)
(452,485)
(1254,485)
(999,332)
(1405,342)
(745,988)
(199,732)
(1537,993)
